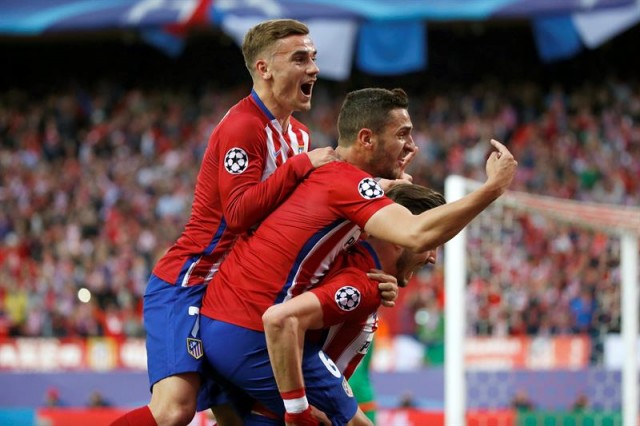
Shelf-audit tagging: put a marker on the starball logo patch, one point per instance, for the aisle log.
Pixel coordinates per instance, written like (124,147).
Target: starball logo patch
(236,161)
(369,189)
(348,298)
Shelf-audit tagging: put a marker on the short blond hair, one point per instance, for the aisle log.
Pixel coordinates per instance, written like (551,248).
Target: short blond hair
(264,35)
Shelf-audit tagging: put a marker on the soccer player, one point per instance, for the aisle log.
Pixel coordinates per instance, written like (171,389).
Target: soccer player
(344,304)
(294,246)
(249,167)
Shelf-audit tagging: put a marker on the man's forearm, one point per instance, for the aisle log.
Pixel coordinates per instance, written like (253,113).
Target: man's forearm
(284,342)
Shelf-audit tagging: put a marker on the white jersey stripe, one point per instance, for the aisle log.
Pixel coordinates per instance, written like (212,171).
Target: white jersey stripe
(326,261)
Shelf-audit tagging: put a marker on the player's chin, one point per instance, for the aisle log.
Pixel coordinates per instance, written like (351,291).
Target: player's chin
(397,173)
(304,106)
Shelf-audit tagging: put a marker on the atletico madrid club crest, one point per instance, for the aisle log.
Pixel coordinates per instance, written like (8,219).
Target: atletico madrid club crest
(347,298)
(194,347)
(236,161)
(369,189)
(347,388)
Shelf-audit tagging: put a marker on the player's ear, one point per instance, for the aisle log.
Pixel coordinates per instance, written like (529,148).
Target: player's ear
(263,70)
(365,138)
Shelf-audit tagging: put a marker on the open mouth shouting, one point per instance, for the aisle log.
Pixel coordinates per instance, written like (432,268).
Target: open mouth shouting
(307,88)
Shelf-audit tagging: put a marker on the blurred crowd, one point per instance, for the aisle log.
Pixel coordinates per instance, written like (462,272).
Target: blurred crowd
(95,183)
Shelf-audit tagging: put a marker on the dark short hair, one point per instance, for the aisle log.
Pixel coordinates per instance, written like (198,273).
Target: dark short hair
(416,198)
(265,34)
(368,108)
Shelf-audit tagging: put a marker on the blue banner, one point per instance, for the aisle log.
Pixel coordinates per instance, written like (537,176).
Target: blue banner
(384,46)
(36,16)
(556,38)
(392,48)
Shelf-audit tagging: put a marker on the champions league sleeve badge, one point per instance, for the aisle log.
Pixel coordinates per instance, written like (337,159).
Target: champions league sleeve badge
(236,161)
(347,298)
(369,189)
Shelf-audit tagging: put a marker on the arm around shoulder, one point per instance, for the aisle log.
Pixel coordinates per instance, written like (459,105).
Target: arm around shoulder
(251,201)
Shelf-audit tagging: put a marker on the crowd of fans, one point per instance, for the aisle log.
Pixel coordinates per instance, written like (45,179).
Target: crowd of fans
(95,183)
(529,274)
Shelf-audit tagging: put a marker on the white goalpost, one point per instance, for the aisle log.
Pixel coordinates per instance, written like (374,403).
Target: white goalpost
(622,223)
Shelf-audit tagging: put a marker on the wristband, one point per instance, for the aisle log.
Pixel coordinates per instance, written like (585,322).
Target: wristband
(303,418)
(295,401)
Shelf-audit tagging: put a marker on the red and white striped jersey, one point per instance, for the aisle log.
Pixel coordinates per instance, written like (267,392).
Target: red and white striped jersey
(349,302)
(232,191)
(294,246)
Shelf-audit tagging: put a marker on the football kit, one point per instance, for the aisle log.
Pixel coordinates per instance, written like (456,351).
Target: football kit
(287,254)
(249,167)
(349,300)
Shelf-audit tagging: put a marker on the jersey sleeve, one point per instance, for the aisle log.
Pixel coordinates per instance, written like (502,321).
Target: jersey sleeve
(357,196)
(245,197)
(348,295)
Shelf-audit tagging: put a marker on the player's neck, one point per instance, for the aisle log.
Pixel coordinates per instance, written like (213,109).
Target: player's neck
(387,254)
(353,157)
(283,119)
(282,115)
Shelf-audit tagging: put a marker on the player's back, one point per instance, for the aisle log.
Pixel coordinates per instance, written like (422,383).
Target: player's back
(294,246)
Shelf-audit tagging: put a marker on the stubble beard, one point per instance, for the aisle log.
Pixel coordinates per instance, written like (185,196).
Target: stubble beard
(401,269)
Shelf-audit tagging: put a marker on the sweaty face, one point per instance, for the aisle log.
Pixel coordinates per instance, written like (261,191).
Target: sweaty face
(408,263)
(293,73)
(392,145)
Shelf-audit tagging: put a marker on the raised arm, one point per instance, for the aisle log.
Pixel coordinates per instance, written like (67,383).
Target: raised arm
(435,227)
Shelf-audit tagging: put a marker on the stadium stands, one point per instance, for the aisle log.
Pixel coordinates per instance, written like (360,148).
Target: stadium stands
(97,165)
(96,183)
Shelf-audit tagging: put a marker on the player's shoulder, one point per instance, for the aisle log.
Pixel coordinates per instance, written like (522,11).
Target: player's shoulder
(344,168)
(242,117)
(352,276)
(355,272)
(345,178)
(352,284)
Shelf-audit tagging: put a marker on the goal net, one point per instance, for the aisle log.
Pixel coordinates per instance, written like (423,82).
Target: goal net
(541,302)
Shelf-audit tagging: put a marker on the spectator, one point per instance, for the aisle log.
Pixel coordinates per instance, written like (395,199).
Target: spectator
(92,186)
(52,398)
(580,404)
(521,401)
(407,400)
(96,400)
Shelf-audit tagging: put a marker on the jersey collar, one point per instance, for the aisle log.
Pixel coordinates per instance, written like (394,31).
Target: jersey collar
(262,106)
